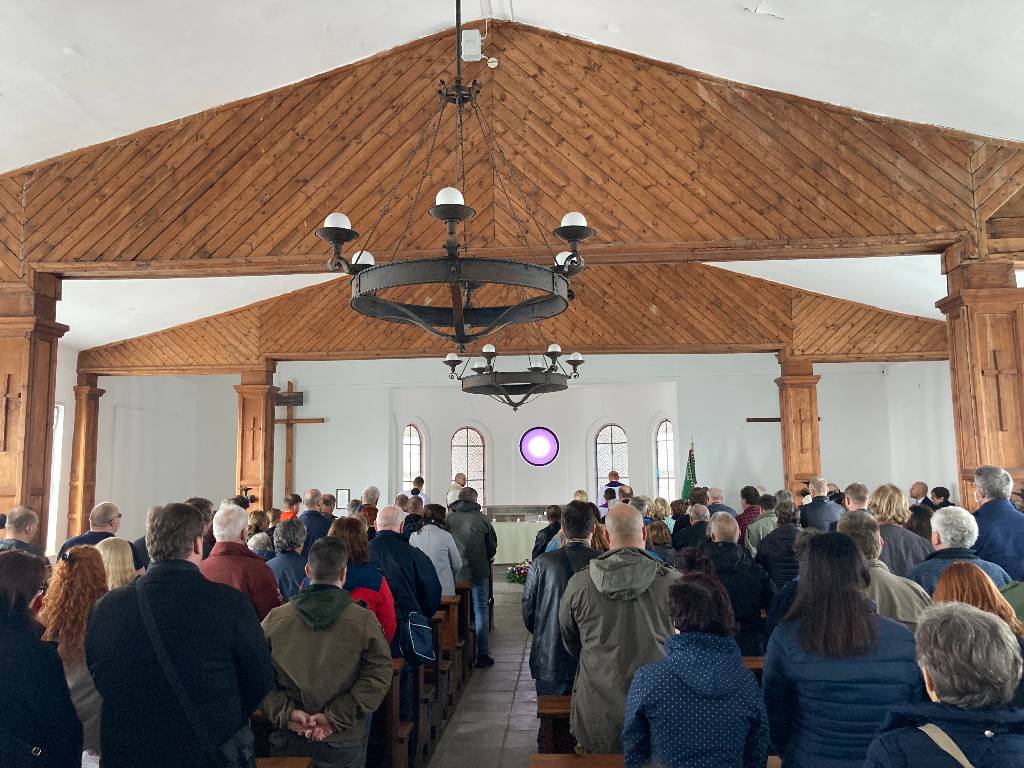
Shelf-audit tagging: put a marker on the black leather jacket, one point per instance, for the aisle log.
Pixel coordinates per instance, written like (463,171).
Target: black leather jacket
(544,537)
(545,585)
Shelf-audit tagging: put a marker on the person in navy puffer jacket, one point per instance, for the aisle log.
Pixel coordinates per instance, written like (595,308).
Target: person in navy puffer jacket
(833,667)
(971,665)
(701,682)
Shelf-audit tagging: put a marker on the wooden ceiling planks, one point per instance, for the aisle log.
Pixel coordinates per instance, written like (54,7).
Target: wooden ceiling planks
(655,308)
(652,153)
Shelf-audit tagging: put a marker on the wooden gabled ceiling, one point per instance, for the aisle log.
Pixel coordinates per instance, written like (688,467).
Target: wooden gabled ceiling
(665,162)
(655,308)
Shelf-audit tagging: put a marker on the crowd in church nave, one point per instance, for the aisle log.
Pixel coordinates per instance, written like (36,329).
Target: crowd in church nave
(832,627)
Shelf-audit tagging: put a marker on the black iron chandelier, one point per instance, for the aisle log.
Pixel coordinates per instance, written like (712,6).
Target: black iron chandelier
(514,388)
(467,309)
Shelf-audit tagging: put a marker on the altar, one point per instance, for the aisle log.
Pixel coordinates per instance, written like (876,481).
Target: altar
(515,540)
(516,526)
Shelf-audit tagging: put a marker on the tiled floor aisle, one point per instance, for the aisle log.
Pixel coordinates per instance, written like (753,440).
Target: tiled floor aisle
(495,725)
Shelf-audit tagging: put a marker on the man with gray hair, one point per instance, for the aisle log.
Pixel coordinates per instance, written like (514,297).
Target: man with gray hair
(971,664)
(104,522)
(696,533)
(213,645)
(614,617)
(478,543)
(820,512)
(750,588)
(716,502)
(231,562)
(897,598)
(954,531)
(20,531)
(289,564)
(317,523)
(1000,524)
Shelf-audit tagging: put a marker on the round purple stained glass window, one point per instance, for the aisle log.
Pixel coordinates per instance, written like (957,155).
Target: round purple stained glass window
(539,446)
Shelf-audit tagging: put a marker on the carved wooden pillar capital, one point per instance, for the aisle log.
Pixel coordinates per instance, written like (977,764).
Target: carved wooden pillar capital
(798,412)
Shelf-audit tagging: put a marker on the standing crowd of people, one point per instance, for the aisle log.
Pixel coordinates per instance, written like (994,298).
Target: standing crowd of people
(157,652)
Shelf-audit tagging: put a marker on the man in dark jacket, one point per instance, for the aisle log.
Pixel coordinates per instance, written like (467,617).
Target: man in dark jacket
(820,513)
(476,538)
(213,641)
(316,522)
(21,526)
(288,565)
(552,667)
(748,585)
(414,517)
(414,587)
(548,532)
(1000,524)
(696,533)
(775,553)
(954,532)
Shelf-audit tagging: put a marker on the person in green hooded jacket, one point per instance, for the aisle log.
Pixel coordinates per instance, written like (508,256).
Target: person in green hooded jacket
(333,666)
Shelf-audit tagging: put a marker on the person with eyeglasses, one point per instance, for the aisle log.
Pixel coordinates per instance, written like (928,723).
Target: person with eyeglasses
(104,522)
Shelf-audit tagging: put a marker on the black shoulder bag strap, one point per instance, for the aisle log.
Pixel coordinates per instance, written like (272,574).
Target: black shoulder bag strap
(201,736)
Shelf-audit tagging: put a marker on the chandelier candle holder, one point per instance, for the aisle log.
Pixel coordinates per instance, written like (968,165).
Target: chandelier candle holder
(514,388)
(473,296)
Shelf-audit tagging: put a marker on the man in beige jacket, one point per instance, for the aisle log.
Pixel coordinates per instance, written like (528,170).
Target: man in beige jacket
(333,666)
(614,617)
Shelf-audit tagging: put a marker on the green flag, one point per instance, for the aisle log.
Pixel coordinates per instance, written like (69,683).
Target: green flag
(690,478)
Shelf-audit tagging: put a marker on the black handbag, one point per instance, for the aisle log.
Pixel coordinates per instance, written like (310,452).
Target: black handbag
(239,751)
(416,640)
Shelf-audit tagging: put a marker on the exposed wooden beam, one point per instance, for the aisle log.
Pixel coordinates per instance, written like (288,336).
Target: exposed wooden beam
(596,254)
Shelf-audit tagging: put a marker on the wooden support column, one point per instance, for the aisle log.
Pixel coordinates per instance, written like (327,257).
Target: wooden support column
(82,497)
(254,465)
(28,365)
(985,323)
(798,410)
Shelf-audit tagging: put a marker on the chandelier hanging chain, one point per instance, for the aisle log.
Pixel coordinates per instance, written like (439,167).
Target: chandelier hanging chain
(521,230)
(419,186)
(407,167)
(489,135)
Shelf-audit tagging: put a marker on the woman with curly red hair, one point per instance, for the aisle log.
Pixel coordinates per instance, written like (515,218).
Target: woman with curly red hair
(79,580)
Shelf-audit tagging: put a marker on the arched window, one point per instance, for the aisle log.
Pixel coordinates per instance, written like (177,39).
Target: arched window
(611,452)
(468,458)
(412,455)
(665,460)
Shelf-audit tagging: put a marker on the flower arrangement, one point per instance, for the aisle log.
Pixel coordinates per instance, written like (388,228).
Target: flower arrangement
(516,574)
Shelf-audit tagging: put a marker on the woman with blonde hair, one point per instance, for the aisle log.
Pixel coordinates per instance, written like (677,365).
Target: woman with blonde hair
(580,495)
(659,511)
(79,580)
(118,561)
(902,549)
(259,521)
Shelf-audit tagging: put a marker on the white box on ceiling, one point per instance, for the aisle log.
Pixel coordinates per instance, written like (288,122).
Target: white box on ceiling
(472,46)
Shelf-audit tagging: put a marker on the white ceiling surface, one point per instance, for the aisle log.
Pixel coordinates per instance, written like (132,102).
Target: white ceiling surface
(102,311)
(908,284)
(75,73)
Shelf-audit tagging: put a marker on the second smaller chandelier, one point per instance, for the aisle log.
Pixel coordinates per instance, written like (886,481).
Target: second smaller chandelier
(514,388)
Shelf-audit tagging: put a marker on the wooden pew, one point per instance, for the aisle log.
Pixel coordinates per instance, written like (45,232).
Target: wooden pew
(451,650)
(389,736)
(283,762)
(467,633)
(553,713)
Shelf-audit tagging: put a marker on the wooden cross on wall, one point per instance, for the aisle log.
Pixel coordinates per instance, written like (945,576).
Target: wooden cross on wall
(998,373)
(289,399)
(5,416)
(803,421)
